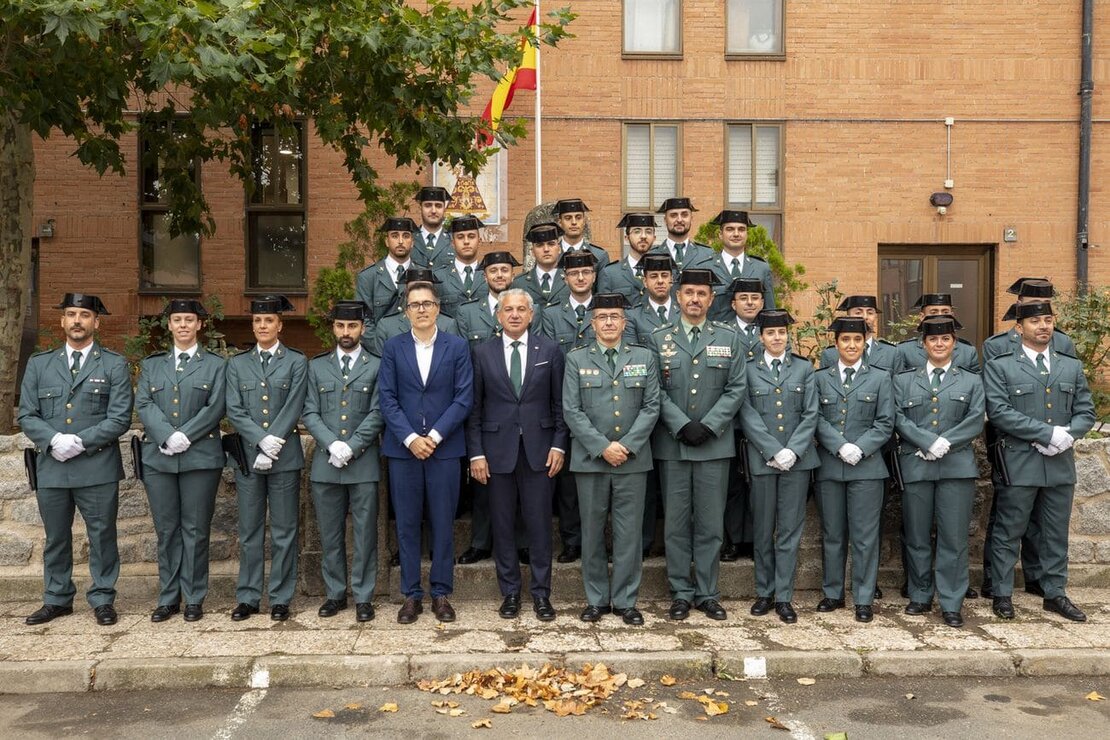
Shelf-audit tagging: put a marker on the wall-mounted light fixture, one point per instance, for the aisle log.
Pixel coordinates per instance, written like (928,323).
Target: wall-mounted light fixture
(46,229)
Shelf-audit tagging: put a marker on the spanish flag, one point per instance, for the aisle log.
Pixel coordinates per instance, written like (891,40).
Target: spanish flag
(522,77)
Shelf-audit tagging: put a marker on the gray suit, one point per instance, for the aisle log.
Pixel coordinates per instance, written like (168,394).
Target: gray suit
(96,406)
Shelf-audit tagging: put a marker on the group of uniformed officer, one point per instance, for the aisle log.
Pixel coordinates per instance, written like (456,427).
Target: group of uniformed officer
(679,389)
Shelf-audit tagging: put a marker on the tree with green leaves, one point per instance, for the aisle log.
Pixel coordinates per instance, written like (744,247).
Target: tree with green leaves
(369,74)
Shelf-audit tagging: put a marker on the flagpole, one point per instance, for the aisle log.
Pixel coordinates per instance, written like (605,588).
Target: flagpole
(538,132)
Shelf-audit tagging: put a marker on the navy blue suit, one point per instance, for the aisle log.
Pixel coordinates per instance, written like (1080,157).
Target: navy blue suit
(418,487)
(515,436)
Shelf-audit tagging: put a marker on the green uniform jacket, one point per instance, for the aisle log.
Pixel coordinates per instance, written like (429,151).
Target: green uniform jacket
(911,355)
(347,410)
(618,277)
(705,383)
(1009,341)
(884,356)
(754,267)
(955,412)
(529,283)
(601,406)
(645,320)
(780,414)
(476,324)
(374,286)
(96,406)
(601,254)
(696,255)
(1024,406)
(561,324)
(441,254)
(263,402)
(451,292)
(398,323)
(191,403)
(862,415)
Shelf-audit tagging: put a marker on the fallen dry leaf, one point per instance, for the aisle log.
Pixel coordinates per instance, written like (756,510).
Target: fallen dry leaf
(668,709)
(353,707)
(667,680)
(836,736)
(807,681)
(482,723)
(324,714)
(751,703)
(702,717)
(715,708)
(720,693)
(389,706)
(774,722)
(456,712)
(910,696)
(501,708)
(688,695)
(635,683)
(1095,696)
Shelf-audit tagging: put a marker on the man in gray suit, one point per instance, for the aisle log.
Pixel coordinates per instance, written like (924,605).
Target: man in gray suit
(74,403)
(342,413)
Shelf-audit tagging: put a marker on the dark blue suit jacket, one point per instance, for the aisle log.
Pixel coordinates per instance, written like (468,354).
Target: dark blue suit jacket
(499,418)
(411,406)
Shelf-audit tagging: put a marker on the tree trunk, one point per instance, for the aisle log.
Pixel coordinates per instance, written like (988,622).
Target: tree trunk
(17,178)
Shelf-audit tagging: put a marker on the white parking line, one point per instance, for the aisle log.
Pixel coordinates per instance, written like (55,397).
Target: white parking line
(248,702)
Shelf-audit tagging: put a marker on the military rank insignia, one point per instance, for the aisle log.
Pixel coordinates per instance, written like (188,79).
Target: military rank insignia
(718,350)
(635,371)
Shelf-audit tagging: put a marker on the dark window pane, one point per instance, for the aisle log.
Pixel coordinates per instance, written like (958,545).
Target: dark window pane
(278,169)
(901,283)
(277,244)
(773,223)
(168,262)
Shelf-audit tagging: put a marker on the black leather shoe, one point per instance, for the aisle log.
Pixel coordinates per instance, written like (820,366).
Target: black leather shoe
(830,605)
(630,616)
(730,554)
(473,555)
(395,560)
(524,555)
(713,609)
(1003,607)
(952,619)
(917,608)
(905,591)
(986,590)
(569,554)
(879,592)
(786,612)
(410,610)
(442,608)
(106,615)
(331,607)
(164,612)
(48,612)
(364,611)
(1034,587)
(971,593)
(680,609)
(194,612)
(762,606)
(1062,605)
(594,613)
(279,612)
(543,609)
(510,607)
(243,611)
(864,613)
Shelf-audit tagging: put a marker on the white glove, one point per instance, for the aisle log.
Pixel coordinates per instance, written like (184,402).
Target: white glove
(785,458)
(939,448)
(262,463)
(773,463)
(271,446)
(927,456)
(341,451)
(1061,439)
(1048,451)
(66,446)
(177,443)
(850,453)
(336,462)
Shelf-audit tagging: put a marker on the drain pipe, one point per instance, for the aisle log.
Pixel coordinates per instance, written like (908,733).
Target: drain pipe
(1086,92)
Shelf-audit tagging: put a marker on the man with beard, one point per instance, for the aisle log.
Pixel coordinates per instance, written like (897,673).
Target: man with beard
(678,218)
(544,282)
(571,215)
(432,246)
(74,403)
(378,285)
(734,262)
(461,280)
(627,275)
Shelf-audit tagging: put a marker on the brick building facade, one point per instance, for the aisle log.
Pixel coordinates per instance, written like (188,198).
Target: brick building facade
(828,121)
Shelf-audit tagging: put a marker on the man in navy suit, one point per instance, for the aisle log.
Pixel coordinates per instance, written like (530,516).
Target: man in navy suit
(425,386)
(517,442)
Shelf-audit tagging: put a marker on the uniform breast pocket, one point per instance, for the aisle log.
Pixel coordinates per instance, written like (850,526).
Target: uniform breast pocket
(797,395)
(1066,399)
(866,404)
(360,398)
(956,403)
(50,401)
(326,392)
(1021,396)
(829,408)
(248,390)
(912,407)
(94,399)
(279,389)
(760,398)
(717,369)
(197,396)
(634,388)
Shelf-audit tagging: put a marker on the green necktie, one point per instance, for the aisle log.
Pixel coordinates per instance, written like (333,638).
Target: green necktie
(468,281)
(431,242)
(182,361)
(735,272)
(581,312)
(866,351)
(679,253)
(776,365)
(346,366)
(695,334)
(848,373)
(639,271)
(611,358)
(265,358)
(1043,368)
(751,331)
(400,273)
(938,374)
(662,311)
(76,366)
(515,370)
(545,283)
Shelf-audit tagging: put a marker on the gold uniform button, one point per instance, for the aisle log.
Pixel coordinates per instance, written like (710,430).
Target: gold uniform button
(778,390)
(616,413)
(843,411)
(343,417)
(934,411)
(696,376)
(934,399)
(342,403)
(175,400)
(615,384)
(69,421)
(342,431)
(616,429)
(693,391)
(265,411)
(695,362)
(1048,405)
(778,403)
(934,422)
(265,398)
(265,424)
(175,388)
(778,416)
(616,398)
(262,384)
(69,405)
(1048,390)
(781,429)
(175,413)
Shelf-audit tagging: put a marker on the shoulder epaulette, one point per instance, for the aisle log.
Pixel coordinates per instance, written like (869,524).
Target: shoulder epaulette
(964,341)
(615,263)
(1060,332)
(801,357)
(578,349)
(45,352)
(906,341)
(245,351)
(722,325)
(293,349)
(883,341)
(999,335)
(159,353)
(322,354)
(752,256)
(831,346)
(1066,354)
(911,371)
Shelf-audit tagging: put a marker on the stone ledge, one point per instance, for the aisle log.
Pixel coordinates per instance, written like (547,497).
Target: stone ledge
(777,663)
(1063,662)
(682,664)
(337,671)
(939,663)
(113,674)
(46,676)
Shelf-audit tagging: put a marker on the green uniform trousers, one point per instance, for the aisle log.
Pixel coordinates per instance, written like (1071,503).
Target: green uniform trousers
(948,502)
(1016,505)
(333,501)
(280,493)
(182,505)
(98,506)
(621,497)
(738,505)
(851,512)
(693,525)
(778,513)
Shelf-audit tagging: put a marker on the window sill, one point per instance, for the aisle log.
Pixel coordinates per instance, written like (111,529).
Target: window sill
(167,292)
(651,56)
(755,56)
(287,292)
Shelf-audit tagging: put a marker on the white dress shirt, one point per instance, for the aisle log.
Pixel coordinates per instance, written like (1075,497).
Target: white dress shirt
(656,306)
(929,367)
(191,351)
(1032,355)
(272,350)
(840,364)
(768,358)
(424,234)
(567,246)
(424,352)
(460,269)
(491,301)
(730,260)
(84,354)
(391,266)
(354,355)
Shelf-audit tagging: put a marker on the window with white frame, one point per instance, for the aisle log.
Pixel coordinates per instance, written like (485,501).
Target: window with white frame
(652,166)
(653,27)
(754,27)
(753,162)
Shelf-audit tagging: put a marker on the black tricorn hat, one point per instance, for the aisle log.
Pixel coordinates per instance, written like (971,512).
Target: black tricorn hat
(573,259)
(419,275)
(858,301)
(932,299)
(746,285)
(732,217)
(543,233)
(671,204)
(1016,287)
(698,276)
(84,300)
(1029,310)
(398,223)
(498,258)
(432,192)
(657,263)
(942,324)
(630,220)
(849,325)
(1011,313)
(609,300)
(270,304)
(464,223)
(185,305)
(1036,289)
(349,311)
(769,317)
(570,205)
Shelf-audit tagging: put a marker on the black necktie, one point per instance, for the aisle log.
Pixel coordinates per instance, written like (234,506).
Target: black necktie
(848,373)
